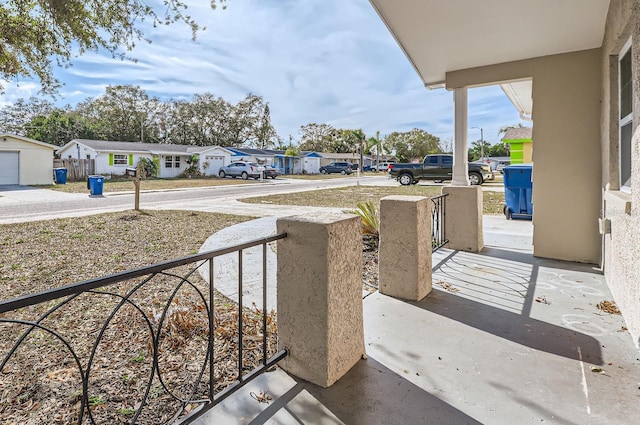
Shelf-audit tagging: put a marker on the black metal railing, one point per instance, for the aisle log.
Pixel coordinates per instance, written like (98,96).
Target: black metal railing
(144,346)
(438,216)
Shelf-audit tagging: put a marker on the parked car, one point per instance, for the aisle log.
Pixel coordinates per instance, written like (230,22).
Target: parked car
(337,167)
(439,168)
(497,163)
(383,166)
(241,169)
(270,172)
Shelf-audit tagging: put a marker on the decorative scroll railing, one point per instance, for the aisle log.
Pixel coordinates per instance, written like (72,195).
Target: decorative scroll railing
(438,216)
(145,346)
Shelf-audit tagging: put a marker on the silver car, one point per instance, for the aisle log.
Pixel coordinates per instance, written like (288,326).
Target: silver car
(242,169)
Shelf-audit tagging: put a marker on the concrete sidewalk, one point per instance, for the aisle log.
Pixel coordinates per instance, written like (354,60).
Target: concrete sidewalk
(504,338)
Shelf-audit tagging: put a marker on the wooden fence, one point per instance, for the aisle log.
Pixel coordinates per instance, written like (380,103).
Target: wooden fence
(77,169)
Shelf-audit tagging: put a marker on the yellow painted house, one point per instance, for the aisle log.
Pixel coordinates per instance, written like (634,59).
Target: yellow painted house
(520,142)
(25,161)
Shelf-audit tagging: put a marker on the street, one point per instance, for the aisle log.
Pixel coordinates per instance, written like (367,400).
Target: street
(20,203)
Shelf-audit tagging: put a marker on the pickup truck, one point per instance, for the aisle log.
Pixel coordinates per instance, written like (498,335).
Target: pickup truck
(437,167)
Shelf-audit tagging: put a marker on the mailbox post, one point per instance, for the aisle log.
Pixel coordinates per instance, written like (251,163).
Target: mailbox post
(134,173)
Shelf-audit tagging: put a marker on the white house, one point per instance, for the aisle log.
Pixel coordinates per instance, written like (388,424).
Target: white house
(25,161)
(113,157)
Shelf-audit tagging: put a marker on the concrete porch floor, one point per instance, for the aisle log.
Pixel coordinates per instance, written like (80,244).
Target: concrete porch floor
(504,338)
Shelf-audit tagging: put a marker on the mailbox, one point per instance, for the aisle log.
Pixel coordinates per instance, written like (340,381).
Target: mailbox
(131,172)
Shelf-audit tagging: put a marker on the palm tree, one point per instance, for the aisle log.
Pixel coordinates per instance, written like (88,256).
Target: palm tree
(360,139)
(503,130)
(376,143)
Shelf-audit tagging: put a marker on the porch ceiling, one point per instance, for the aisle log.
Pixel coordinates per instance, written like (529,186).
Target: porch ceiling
(439,36)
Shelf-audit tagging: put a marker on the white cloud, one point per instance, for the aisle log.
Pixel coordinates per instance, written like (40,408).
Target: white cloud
(329,61)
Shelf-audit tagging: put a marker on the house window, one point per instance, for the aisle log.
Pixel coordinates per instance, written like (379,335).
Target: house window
(171,161)
(119,159)
(625,78)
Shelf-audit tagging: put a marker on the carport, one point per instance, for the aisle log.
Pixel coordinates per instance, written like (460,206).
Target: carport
(25,161)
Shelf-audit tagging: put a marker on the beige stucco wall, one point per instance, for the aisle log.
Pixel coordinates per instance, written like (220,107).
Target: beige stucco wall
(622,247)
(36,161)
(566,156)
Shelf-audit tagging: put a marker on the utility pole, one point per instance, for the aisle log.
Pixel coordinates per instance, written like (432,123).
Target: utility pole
(481,142)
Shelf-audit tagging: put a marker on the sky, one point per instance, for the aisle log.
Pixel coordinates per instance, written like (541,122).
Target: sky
(322,61)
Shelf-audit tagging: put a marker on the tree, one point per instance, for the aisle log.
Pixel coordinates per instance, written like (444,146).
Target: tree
(59,127)
(15,119)
(344,141)
(292,151)
(241,126)
(414,144)
(375,144)
(265,136)
(318,137)
(202,121)
(499,149)
(125,113)
(360,144)
(38,33)
(478,148)
(503,130)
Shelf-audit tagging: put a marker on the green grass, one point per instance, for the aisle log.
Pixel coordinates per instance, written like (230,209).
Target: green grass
(348,197)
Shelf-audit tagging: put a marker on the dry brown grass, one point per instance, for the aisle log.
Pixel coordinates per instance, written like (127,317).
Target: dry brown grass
(348,197)
(125,185)
(327,176)
(41,383)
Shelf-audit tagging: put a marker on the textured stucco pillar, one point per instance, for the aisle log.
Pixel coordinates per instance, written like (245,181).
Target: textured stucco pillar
(463,223)
(405,247)
(320,295)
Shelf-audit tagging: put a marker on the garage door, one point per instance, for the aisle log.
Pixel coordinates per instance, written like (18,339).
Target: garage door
(9,168)
(215,162)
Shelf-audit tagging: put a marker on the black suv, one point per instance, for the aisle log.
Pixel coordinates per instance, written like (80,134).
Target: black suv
(337,167)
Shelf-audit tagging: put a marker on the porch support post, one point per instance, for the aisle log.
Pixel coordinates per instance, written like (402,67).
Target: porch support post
(320,317)
(460,150)
(405,247)
(463,226)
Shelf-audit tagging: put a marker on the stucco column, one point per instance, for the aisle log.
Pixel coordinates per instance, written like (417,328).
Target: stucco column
(320,295)
(463,226)
(405,247)
(460,150)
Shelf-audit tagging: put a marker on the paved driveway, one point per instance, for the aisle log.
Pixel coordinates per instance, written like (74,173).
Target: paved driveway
(17,194)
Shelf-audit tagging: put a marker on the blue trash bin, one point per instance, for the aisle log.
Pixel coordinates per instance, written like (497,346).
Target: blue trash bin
(60,175)
(95,184)
(518,191)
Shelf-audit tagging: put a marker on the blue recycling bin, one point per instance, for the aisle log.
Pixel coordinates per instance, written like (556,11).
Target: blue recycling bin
(60,175)
(518,191)
(94,184)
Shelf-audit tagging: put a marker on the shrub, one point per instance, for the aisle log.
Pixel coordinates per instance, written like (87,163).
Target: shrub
(368,211)
(148,167)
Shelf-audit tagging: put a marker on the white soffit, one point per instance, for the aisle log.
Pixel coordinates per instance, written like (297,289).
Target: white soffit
(520,94)
(448,35)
